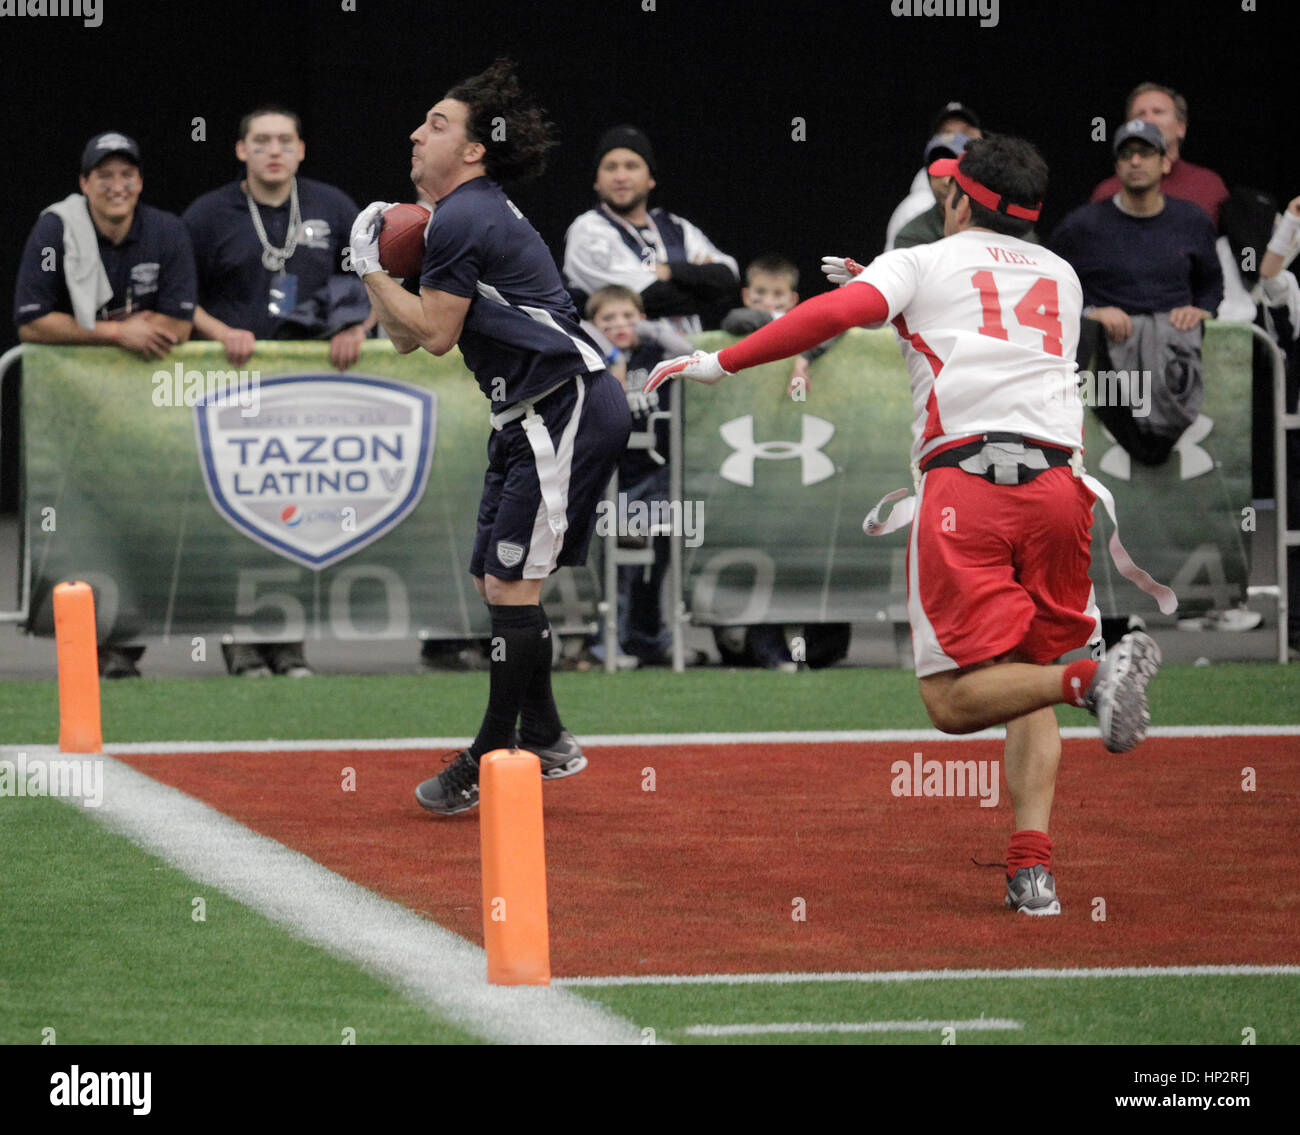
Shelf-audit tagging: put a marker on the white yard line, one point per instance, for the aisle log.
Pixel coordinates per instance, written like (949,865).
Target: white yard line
(932,975)
(781,1028)
(434,967)
(595,740)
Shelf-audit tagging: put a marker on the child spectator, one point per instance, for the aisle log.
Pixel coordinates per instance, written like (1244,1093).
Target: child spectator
(769,292)
(618,314)
(770,283)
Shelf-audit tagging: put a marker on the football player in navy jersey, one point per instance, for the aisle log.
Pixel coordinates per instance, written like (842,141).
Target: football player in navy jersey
(559,418)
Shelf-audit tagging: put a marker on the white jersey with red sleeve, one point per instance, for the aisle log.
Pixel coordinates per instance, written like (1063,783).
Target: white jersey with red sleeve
(989,326)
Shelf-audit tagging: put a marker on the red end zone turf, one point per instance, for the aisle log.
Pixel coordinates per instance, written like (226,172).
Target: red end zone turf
(701,875)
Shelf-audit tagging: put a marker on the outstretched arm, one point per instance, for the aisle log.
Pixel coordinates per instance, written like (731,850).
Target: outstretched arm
(812,322)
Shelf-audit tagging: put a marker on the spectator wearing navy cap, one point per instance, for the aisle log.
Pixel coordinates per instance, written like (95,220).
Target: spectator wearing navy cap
(1150,277)
(953,118)
(1142,251)
(927,227)
(1167,109)
(101,268)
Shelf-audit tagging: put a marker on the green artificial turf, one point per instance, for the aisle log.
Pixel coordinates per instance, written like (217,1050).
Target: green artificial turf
(99,944)
(652,701)
(1112,1010)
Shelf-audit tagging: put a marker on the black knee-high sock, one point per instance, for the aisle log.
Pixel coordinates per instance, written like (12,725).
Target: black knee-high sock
(515,632)
(539,719)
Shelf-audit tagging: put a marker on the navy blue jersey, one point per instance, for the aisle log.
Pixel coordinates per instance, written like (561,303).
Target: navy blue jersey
(521,325)
(151,270)
(234,284)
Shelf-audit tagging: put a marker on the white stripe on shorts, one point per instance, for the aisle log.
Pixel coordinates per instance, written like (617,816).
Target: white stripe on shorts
(554,468)
(928,655)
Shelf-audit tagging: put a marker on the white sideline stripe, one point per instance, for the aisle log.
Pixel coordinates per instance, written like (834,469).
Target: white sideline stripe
(933,975)
(980,1025)
(808,737)
(435,968)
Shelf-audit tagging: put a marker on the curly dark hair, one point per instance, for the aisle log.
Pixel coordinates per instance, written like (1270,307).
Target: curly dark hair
(511,127)
(1013,169)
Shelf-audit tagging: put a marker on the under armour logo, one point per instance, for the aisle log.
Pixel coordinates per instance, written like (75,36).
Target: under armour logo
(739,434)
(1193,461)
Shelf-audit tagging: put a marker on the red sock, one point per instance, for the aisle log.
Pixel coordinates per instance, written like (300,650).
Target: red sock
(1076,680)
(1027,849)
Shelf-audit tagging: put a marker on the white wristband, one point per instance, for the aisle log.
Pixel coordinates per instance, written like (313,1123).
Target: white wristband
(1286,235)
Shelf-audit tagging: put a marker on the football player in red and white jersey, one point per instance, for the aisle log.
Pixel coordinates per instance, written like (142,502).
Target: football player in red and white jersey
(998,559)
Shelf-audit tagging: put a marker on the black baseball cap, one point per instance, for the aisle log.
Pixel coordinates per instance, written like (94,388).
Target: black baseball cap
(956,110)
(625,138)
(107,145)
(1147,132)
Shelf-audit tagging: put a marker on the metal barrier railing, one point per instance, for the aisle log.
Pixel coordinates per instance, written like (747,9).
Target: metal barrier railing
(1285,537)
(19,614)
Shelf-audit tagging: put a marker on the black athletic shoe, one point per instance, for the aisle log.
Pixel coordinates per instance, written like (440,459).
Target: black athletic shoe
(453,790)
(244,660)
(286,660)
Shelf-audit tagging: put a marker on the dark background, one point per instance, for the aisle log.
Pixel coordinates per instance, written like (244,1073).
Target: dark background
(714,84)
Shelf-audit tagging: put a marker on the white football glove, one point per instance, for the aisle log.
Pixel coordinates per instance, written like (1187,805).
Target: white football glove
(840,270)
(364,241)
(701,366)
(638,401)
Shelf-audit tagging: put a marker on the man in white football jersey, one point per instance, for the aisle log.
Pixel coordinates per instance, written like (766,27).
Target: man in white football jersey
(998,558)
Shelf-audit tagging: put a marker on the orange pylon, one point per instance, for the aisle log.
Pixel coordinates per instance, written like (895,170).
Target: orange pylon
(515,929)
(78,659)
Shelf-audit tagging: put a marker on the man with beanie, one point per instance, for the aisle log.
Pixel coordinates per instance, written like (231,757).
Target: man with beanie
(678,273)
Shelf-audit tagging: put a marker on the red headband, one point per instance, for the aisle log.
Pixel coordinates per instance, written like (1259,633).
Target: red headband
(951,167)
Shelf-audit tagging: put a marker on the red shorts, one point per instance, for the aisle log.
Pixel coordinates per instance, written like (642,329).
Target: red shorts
(995,568)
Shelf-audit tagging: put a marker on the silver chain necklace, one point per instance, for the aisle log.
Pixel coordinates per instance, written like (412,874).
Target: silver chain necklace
(274,259)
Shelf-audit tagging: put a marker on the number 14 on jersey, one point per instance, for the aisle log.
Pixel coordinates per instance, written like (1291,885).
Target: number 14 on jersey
(1040,310)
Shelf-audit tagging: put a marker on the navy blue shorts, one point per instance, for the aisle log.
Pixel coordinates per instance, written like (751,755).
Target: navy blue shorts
(537,512)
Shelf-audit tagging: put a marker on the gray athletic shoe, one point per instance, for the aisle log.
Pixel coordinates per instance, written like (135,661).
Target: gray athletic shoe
(1032,890)
(563,758)
(453,790)
(1118,692)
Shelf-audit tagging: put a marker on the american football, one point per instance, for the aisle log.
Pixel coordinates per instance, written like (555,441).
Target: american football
(401,240)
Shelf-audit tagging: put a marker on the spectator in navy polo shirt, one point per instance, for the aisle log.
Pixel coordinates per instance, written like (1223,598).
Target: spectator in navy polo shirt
(131,282)
(101,268)
(1150,277)
(559,418)
(269,249)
